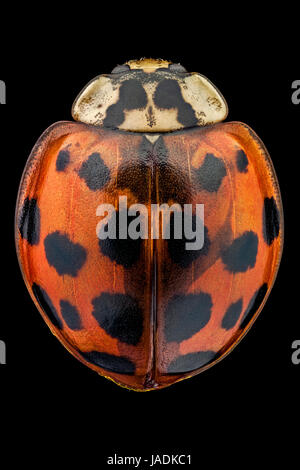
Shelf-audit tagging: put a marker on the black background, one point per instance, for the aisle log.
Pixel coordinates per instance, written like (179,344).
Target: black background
(51,403)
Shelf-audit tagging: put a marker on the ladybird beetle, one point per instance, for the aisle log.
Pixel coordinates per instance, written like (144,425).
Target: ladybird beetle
(146,312)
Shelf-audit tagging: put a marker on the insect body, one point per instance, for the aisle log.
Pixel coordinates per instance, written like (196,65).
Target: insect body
(146,311)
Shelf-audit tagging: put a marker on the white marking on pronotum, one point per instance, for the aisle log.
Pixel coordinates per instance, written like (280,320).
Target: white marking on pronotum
(103,91)
(138,227)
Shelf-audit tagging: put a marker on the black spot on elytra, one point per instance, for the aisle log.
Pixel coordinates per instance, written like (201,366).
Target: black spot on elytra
(177,247)
(232,315)
(71,315)
(120,316)
(168,96)
(64,255)
(152,162)
(254,305)
(94,172)
(135,173)
(270,220)
(125,252)
(29,221)
(131,96)
(186,315)
(242,161)
(210,174)
(118,364)
(241,254)
(190,362)
(172,185)
(62,160)
(134,176)
(46,305)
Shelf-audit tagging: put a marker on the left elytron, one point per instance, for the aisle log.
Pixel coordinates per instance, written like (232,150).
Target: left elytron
(148,313)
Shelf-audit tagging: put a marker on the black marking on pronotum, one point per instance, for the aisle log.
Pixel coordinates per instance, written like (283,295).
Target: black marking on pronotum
(118,364)
(62,160)
(187,315)
(29,221)
(71,315)
(242,161)
(254,305)
(120,316)
(241,254)
(94,172)
(210,174)
(168,95)
(64,255)
(131,96)
(46,305)
(192,361)
(232,314)
(270,220)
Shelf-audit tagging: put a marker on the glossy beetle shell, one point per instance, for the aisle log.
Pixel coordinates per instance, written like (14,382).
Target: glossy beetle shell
(147,313)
